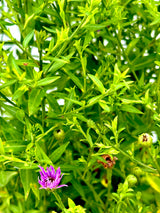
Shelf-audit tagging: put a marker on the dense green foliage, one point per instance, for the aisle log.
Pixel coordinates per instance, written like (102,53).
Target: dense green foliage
(76,90)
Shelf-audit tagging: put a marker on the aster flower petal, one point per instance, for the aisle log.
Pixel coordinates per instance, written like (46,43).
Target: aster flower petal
(53,173)
(43,171)
(62,186)
(48,171)
(58,172)
(42,175)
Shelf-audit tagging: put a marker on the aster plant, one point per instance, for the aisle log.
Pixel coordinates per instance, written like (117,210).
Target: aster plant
(50,180)
(80,90)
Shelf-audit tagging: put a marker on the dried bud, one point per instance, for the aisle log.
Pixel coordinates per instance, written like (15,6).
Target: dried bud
(145,140)
(109,161)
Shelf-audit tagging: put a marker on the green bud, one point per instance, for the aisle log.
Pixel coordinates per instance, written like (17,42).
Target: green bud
(132,180)
(137,171)
(145,140)
(91,124)
(59,134)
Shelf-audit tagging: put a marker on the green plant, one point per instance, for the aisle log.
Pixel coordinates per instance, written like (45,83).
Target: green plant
(77,88)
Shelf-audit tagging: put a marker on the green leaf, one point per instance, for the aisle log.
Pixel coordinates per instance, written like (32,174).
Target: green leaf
(154,182)
(53,103)
(9,83)
(58,152)
(26,62)
(15,68)
(35,99)
(130,108)
(131,101)
(98,83)
(15,146)
(74,79)
(94,100)
(35,185)
(1,147)
(28,38)
(47,80)
(6,176)
(78,187)
(104,106)
(94,27)
(131,45)
(115,124)
(10,109)
(20,114)
(71,204)
(26,179)
(70,100)
(145,62)
(41,155)
(19,92)
(31,18)
(89,138)
(49,29)
(59,63)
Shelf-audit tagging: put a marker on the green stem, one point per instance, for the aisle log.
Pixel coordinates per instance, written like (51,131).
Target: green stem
(67,41)
(40,60)
(18,44)
(119,206)
(32,119)
(154,160)
(158,93)
(3,96)
(43,112)
(43,100)
(96,196)
(88,159)
(128,156)
(109,178)
(25,51)
(60,203)
(126,57)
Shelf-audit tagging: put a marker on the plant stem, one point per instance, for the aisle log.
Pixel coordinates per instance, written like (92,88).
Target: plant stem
(109,178)
(43,100)
(126,57)
(60,203)
(96,196)
(154,160)
(128,156)
(67,42)
(119,206)
(32,119)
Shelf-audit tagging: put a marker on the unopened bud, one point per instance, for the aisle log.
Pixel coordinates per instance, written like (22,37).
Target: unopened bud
(145,140)
(132,180)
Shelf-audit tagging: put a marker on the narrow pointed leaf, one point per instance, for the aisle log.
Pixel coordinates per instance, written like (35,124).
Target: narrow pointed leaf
(47,80)
(58,152)
(98,83)
(35,99)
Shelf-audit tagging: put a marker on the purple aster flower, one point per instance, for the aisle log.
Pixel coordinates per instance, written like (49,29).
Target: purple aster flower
(50,179)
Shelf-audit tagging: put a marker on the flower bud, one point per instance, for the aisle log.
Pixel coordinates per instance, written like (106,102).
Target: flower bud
(132,180)
(91,124)
(137,171)
(145,140)
(59,134)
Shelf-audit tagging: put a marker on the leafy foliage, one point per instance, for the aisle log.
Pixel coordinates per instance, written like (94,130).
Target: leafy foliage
(81,81)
